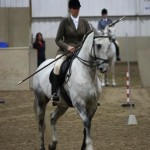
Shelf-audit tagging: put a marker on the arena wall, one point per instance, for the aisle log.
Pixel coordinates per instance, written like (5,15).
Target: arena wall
(143,56)
(16,64)
(15,26)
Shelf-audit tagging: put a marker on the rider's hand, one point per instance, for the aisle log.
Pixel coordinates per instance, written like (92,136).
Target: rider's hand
(71,48)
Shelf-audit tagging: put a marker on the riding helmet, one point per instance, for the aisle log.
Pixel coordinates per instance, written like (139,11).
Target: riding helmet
(74,4)
(104,11)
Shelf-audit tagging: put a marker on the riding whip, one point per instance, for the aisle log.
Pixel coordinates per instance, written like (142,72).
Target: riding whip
(42,68)
(116,21)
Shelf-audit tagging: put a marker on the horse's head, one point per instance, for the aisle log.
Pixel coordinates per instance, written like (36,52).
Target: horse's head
(93,52)
(100,47)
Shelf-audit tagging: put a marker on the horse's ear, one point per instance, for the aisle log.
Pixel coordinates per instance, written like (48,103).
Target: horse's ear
(96,33)
(106,28)
(91,26)
(101,32)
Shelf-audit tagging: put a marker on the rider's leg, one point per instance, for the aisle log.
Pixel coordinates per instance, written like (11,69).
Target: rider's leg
(117,51)
(55,81)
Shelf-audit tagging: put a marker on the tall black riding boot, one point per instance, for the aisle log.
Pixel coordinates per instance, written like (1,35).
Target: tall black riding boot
(117,52)
(55,88)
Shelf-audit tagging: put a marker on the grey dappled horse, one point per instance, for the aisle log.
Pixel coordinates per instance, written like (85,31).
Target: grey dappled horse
(83,88)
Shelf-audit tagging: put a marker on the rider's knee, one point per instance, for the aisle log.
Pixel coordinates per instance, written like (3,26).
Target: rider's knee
(58,64)
(56,69)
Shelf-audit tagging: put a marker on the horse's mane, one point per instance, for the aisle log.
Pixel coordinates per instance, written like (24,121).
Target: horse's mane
(84,38)
(86,35)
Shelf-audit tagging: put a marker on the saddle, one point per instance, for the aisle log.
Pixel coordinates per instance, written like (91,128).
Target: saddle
(63,75)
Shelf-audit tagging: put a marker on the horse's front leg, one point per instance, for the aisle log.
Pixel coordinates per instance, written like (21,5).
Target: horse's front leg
(103,79)
(113,74)
(106,78)
(87,141)
(84,132)
(58,112)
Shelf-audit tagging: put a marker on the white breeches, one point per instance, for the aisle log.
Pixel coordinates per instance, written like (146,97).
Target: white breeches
(58,64)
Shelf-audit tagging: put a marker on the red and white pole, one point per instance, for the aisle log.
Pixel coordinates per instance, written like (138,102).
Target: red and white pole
(128,103)
(132,118)
(128,86)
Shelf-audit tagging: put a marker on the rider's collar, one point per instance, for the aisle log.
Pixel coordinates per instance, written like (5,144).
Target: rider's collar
(75,19)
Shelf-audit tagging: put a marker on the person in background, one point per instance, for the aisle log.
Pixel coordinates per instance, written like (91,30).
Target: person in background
(39,45)
(103,22)
(69,36)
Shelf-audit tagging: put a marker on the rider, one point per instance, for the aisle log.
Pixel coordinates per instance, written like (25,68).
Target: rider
(69,36)
(103,22)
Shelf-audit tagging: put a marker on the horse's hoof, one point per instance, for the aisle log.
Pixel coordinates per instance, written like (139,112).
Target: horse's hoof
(53,146)
(50,147)
(103,84)
(98,104)
(54,104)
(107,84)
(113,85)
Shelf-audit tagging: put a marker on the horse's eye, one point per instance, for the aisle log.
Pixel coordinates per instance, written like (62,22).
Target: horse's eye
(99,46)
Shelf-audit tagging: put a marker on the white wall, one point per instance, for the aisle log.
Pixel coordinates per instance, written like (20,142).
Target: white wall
(49,8)
(47,14)
(115,7)
(48,27)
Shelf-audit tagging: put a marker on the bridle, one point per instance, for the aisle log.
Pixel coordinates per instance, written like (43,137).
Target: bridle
(92,64)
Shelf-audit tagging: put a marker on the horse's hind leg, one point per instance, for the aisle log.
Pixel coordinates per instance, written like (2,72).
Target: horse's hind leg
(40,105)
(58,112)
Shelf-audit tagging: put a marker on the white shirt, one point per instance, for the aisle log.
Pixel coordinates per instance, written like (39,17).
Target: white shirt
(75,21)
(105,19)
